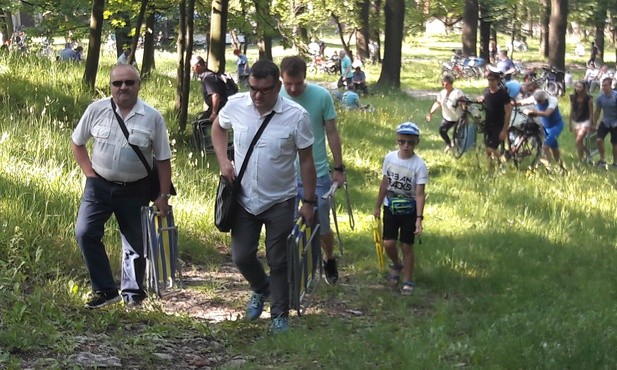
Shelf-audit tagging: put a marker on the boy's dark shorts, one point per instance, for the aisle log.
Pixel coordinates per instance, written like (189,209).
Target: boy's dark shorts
(392,224)
(603,130)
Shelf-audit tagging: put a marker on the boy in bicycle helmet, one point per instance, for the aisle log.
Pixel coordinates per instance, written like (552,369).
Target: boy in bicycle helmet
(401,193)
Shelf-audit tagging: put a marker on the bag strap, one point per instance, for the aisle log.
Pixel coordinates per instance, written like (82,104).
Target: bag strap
(125,131)
(250,149)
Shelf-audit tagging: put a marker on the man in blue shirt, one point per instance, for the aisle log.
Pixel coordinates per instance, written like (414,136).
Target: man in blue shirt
(505,65)
(607,103)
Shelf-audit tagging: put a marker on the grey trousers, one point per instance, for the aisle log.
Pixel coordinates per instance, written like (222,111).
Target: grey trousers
(245,233)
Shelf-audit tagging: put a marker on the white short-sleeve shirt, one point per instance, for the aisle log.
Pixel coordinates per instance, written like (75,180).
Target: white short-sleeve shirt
(270,174)
(112,157)
(449,109)
(403,175)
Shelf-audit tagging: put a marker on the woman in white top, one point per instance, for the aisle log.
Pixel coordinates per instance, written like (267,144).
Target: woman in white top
(450,111)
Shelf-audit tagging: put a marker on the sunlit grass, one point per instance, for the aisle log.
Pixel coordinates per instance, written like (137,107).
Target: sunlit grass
(514,269)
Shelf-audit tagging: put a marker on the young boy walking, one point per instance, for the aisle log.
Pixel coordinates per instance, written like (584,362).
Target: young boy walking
(402,195)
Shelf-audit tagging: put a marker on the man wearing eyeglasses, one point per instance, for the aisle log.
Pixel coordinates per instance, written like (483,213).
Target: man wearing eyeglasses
(318,103)
(117,183)
(268,187)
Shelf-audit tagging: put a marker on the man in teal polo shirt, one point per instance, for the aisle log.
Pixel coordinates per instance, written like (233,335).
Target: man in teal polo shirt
(318,102)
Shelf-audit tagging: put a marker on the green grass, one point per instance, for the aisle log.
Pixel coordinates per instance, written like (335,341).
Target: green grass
(515,270)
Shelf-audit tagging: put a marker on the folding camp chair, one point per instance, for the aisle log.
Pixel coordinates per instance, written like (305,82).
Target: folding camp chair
(201,136)
(160,237)
(379,249)
(331,196)
(591,148)
(304,263)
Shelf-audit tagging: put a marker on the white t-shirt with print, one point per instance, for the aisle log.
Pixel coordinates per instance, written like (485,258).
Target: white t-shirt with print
(403,175)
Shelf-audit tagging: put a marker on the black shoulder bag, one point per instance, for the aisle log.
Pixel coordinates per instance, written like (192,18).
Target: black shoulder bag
(153,176)
(227,192)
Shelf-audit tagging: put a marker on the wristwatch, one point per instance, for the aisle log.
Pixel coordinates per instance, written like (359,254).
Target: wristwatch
(314,201)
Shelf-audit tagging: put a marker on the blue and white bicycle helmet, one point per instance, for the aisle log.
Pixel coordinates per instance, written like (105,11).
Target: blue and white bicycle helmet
(408,128)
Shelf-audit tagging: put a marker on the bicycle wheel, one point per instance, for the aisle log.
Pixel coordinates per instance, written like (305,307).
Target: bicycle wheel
(459,137)
(552,88)
(527,154)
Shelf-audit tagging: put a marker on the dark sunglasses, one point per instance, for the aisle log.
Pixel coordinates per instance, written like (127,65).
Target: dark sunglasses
(126,82)
(410,142)
(264,91)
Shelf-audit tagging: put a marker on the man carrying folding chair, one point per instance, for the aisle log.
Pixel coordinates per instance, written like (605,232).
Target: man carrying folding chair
(318,102)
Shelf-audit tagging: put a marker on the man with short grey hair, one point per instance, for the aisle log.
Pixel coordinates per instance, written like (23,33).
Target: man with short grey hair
(117,183)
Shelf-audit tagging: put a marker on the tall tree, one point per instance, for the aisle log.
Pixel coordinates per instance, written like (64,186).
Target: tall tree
(363,32)
(137,30)
(599,22)
(264,28)
(147,63)
(394,13)
(470,27)
(94,43)
(544,24)
(218,30)
(557,33)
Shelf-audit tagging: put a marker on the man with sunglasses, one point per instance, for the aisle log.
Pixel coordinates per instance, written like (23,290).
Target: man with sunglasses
(268,187)
(318,103)
(117,183)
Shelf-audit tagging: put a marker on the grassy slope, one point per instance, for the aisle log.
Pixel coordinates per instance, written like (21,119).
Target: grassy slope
(515,270)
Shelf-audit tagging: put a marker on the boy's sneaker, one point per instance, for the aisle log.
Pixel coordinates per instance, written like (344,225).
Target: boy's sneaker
(255,306)
(102,299)
(331,271)
(279,325)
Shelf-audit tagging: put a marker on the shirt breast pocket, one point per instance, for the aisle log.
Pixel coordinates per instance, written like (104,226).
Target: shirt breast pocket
(279,144)
(139,138)
(101,133)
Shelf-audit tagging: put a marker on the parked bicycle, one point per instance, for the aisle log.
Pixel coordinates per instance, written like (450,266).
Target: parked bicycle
(552,81)
(524,140)
(472,121)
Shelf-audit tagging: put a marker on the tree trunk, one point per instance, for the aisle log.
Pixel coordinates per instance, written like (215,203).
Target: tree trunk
(147,64)
(600,24)
(557,33)
(394,13)
(8,25)
(485,39)
(94,43)
(376,20)
(186,66)
(362,34)
(137,34)
(264,29)
(218,29)
(546,18)
(470,27)
(180,47)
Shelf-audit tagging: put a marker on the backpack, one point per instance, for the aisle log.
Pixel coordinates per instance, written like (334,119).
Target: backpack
(228,84)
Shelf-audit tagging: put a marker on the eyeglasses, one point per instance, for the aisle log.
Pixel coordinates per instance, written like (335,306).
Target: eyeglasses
(264,90)
(410,142)
(126,82)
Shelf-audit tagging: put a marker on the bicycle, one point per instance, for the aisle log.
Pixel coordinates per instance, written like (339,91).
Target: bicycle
(473,114)
(551,81)
(524,140)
